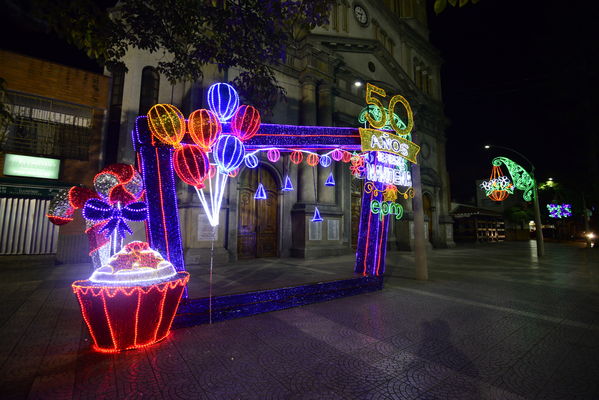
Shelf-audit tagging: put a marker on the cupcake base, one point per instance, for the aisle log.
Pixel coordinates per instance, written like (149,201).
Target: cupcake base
(123,318)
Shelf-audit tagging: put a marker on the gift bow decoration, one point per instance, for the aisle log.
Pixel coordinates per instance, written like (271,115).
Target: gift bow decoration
(114,217)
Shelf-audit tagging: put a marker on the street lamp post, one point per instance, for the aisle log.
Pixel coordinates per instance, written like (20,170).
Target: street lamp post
(538,223)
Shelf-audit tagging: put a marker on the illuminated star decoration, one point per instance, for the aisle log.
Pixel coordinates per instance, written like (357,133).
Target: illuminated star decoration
(559,210)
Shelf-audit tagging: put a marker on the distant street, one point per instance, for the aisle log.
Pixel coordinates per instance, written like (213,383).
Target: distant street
(493,322)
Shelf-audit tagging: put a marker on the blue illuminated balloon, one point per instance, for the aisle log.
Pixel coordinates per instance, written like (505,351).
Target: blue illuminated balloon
(223,100)
(251,161)
(228,153)
(325,161)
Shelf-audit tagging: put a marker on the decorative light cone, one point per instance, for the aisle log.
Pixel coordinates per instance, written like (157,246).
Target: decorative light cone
(288,186)
(260,193)
(317,217)
(330,180)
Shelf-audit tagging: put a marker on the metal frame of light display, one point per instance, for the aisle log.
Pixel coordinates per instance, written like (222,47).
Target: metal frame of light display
(240,140)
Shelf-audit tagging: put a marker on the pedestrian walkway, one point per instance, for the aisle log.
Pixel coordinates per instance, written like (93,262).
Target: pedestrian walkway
(493,322)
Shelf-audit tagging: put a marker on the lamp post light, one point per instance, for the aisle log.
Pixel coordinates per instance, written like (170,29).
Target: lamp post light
(538,223)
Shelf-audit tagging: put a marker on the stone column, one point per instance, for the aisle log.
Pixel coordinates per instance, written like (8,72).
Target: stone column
(308,112)
(325,104)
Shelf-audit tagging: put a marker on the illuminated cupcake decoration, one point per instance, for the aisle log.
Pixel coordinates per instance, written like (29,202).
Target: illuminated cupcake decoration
(137,264)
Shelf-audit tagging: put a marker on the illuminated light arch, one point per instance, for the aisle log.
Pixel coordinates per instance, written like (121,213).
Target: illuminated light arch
(156,162)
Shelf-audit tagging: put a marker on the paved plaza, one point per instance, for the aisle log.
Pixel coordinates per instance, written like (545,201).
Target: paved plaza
(493,322)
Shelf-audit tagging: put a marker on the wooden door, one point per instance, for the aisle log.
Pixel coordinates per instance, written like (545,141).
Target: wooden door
(258,219)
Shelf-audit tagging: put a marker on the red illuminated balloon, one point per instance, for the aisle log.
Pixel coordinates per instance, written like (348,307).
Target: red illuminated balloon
(312,159)
(346,156)
(204,128)
(234,173)
(245,122)
(191,164)
(296,157)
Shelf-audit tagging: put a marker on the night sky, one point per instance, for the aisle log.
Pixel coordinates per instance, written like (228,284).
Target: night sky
(521,74)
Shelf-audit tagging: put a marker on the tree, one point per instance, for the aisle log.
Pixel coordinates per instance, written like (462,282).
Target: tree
(251,35)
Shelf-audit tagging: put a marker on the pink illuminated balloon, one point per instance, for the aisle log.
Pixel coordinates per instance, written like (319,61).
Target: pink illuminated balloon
(273,155)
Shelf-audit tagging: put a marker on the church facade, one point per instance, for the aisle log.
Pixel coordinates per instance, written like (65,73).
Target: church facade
(381,42)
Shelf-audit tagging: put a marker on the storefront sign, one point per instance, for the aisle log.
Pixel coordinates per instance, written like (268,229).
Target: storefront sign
(33,167)
(384,208)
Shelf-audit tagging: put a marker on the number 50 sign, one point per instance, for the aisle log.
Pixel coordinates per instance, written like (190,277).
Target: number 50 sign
(379,123)
(377,140)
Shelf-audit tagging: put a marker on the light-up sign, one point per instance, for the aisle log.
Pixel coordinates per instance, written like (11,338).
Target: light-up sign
(375,140)
(384,208)
(387,168)
(33,167)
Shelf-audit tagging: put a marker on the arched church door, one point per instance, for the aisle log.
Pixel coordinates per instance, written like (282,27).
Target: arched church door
(257,231)
(428,211)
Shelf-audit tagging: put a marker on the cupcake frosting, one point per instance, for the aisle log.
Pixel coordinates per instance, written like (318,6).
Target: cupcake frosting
(136,265)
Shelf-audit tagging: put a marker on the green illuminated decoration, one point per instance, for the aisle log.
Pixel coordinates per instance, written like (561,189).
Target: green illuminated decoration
(376,113)
(384,208)
(520,177)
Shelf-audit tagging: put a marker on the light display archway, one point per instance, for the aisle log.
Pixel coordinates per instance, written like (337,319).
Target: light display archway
(382,164)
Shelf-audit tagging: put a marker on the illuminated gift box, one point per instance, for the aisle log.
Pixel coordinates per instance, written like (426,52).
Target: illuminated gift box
(131,301)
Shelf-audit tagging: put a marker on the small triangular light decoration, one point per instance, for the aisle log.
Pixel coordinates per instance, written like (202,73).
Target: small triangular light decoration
(260,193)
(330,180)
(288,186)
(317,217)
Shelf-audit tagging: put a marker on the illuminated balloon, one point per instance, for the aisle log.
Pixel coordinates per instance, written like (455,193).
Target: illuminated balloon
(251,161)
(312,159)
(228,153)
(296,157)
(337,155)
(204,128)
(166,123)
(273,155)
(191,165)
(223,100)
(346,156)
(325,161)
(246,122)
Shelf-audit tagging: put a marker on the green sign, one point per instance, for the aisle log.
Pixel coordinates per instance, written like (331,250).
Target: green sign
(33,167)
(375,140)
(384,208)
